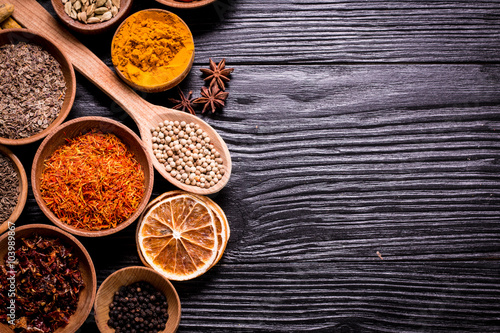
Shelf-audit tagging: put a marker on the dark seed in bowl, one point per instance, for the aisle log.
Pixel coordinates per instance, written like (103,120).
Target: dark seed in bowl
(9,188)
(138,307)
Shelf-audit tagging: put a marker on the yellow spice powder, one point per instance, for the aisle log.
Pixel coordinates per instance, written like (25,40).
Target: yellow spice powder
(152,47)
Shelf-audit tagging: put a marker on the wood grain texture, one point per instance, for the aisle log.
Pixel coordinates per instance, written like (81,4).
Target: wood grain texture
(355,127)
(333,31)
(329,31)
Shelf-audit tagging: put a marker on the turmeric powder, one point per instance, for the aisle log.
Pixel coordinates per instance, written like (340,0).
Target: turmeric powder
(152,47)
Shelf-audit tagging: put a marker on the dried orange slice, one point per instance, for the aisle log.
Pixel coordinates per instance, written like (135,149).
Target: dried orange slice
(222,226)
(177,236)
(221,223)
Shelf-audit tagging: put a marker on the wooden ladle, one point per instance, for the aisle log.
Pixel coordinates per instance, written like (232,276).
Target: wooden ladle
(32,15)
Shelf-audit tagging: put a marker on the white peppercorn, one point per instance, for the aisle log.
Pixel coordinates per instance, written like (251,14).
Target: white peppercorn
(187,153)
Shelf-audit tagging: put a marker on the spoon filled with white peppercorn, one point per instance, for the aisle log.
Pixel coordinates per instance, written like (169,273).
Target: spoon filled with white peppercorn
(204,170)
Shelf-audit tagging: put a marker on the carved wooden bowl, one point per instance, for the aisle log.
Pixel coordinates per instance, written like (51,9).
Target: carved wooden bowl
(127,276)
(74,128)
(185,5)
(91,28)
(86,268)
(12,36)
(23,189)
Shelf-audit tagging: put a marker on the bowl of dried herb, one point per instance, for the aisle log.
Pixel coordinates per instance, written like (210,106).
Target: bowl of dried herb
(47,280)
(185,4)
(38,86)
(92,177)
(13,188)
(153,299)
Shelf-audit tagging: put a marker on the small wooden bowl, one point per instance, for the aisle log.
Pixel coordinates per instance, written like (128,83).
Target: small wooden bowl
(86,267)
(74,128)
(125,277)
(12,36)
(163,85)
(185,5)
(23,189)
(91,28)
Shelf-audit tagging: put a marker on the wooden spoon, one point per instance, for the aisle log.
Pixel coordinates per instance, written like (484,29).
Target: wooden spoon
(32,15)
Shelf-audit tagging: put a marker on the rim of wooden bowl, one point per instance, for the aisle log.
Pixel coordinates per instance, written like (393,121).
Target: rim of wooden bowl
(129,275)
(74,128)
(25,35)
(91,28)
(185,5)
(166,85)
(86,267)
(23,188)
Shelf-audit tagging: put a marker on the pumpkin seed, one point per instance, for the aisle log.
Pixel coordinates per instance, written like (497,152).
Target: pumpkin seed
(106,16)
(67,8)
(93,20)
(91,11)
(100,10)
(82,17)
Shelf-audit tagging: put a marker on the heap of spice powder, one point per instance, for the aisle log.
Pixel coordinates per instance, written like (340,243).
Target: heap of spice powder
(32,90)
(93,182)
(9,187)
(47,283)
(152,47)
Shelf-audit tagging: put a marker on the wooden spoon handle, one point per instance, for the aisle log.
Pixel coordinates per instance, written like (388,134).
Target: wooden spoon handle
(32,15)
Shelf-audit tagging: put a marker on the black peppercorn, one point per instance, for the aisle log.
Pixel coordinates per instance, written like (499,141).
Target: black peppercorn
(138,307)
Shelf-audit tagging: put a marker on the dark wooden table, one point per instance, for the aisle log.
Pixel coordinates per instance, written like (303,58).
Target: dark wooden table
(365,193)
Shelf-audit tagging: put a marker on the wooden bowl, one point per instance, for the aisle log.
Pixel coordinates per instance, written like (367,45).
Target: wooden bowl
(161,86)
(23,189)
(91,28)
(72,129)
(9,36)
(86,267)
(125,277)
(185,5)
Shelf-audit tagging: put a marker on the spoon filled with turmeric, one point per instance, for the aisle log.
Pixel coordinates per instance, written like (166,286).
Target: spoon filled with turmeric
(168,135)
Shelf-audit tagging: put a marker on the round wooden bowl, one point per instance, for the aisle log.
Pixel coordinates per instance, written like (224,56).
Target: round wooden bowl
(163,86)
(125,277)
(77,127)
(91,28)
(185,5)
(12,36)
(23,189)
(86,267)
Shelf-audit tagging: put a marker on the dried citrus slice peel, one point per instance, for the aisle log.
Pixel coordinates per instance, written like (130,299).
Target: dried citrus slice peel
(177,236)
(221,223)
(222,226)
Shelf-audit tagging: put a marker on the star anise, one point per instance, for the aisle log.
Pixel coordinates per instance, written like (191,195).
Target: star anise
(185,103)
(218,74)
(212,97)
